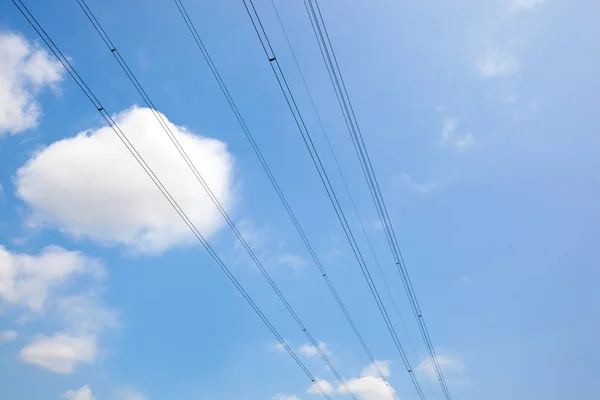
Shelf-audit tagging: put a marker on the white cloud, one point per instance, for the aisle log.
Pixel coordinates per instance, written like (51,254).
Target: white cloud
(495,62)
(8,336)
(25,69)
(60,353)
(525,5)
(308,350)
(285,396)
(48,285)
(371,369)
(369,388)
(94,171)
(291,260)
(449,137)
(129,393)
(421,187)
(28,280)
(452,367)
(83,393)
(325,386)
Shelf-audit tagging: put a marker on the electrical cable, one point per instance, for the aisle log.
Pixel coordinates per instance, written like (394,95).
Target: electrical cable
(298,119)
(200,44)
(115,127)
(345,183)
(98,27)
(328,54)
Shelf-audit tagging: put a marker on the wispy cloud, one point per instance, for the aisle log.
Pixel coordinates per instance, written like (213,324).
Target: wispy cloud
(60,353)
(453,367)
(83,393)
(308,350)
(450,137)
(60,285)
(449,126)
(465,141)
(285,396)
(525,5)
(496,62)
(323,384)
(421,187)
(129,393)
(8,336)
(291,260)
(372,369)
(25,69)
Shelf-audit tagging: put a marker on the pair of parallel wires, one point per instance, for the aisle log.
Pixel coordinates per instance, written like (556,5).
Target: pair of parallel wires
(335,75)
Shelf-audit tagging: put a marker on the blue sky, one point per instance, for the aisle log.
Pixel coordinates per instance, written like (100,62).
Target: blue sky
(480,118)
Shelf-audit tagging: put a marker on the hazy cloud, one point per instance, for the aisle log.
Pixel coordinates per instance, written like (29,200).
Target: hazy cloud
(8,336)
(496,62)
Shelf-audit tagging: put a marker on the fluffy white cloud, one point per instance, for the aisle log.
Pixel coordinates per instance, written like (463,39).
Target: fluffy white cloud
(285,396)
(308,350)
(28,280)
(324,384)
(91,186)
(83,393)
(371,369)
(129,393)
(25,69)
(60,353)
(525,5)
(369,388)
(495,62)
(453,368)
(8,336)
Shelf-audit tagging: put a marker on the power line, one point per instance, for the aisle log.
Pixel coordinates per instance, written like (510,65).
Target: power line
(345,183)
(256,148)
(298,119)
(90,15)
(115,127)
(335,75)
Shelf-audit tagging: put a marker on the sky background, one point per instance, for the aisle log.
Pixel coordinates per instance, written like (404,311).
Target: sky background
(481,119)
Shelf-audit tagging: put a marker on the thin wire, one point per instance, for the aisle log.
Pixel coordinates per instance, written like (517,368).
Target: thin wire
(256,148)
(291,102)
(367,167)
(90,15)
(115,127)
(346,186)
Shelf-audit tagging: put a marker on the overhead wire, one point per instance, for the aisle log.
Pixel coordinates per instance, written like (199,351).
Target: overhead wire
(157,182)
(307,138)
(200,44)
(123,64)
(336,78)
(344,181)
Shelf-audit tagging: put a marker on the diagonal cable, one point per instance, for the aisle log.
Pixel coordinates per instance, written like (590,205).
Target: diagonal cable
(124,139)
